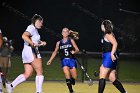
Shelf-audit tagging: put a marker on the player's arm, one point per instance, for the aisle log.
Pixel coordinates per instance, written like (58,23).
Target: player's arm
(53,54)
(114,43)
(76,49)
(1,40)
(26,36)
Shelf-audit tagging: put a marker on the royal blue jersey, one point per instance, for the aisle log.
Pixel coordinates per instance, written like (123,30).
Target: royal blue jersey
(65,49)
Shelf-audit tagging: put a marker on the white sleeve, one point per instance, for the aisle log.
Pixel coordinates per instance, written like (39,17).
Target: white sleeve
(30,29)
(0,31)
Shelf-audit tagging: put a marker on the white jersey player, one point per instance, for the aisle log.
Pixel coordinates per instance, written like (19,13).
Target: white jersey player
(30,55)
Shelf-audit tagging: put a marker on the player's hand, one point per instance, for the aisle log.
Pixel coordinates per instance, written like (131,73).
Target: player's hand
(48,63)
(72,52)
(42,43)
(34,45)
(113,57)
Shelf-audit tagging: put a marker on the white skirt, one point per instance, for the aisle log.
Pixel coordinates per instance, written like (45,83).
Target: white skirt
(28,54)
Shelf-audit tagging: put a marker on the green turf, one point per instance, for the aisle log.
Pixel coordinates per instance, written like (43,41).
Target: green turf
(60,87)
(128,69)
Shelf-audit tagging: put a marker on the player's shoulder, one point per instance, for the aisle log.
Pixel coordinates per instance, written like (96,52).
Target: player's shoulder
(31,27)
(58,42)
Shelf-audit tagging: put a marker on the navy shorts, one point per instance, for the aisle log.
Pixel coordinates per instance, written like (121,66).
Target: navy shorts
(69,62)
(107,61)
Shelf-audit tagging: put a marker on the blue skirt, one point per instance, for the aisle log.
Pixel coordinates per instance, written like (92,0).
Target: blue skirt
(69,62)
(107,61)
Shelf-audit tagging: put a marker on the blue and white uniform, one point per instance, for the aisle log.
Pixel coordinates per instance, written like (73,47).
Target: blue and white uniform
(67,58)
(28,51)
(106,56)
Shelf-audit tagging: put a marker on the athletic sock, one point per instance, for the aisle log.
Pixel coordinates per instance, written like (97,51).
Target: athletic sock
(3,79)
(39,82)
(0,84)
(21,78)
(102,84)
(72,81)
(119,86)
(68,81)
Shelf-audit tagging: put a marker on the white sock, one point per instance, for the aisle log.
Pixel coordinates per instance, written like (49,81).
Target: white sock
(0,84)
(39,82)
(21,78)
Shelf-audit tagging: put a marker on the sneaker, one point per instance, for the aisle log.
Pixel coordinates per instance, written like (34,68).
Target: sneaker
(9,89)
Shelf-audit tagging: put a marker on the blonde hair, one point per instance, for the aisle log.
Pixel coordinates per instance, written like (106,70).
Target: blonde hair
(74,35)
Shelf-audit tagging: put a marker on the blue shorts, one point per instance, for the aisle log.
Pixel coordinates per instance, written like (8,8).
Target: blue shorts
(69,62)
(107,61)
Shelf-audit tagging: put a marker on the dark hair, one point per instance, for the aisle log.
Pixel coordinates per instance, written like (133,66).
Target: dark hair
(36,17)
(108,26)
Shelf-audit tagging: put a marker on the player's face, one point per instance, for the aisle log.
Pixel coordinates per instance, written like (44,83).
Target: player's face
(38,24)
(65,32)
(103,28)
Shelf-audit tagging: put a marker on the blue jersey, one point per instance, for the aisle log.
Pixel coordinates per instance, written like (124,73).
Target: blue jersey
(67,58)
(106,57)
(65,49)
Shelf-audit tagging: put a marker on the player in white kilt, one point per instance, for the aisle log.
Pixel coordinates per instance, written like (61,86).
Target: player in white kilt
(30,55)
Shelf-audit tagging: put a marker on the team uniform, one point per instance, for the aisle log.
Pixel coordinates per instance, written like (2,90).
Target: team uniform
(106,56)
(28,52)
(67,58)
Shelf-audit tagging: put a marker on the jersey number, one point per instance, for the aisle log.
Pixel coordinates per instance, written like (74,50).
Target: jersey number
(66,52)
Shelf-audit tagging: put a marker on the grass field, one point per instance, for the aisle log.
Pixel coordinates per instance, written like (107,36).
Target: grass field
(54,78)
(128,69)
(60,87)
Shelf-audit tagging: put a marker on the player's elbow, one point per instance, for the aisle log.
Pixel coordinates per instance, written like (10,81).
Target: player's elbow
(116,44)
(23,36)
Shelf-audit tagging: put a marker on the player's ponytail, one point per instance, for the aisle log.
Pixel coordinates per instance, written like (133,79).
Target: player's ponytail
(74,35)
(108,26)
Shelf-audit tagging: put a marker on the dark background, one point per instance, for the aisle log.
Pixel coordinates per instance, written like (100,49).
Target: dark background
(60,13)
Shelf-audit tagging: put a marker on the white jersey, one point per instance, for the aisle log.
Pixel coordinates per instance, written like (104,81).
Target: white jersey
(28,52)
(0,31)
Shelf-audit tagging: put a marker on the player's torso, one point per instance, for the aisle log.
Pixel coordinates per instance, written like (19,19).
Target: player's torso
(106,45)
(65,48)
(35,37)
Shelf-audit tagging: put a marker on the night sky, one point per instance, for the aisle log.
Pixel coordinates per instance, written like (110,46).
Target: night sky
(61,13)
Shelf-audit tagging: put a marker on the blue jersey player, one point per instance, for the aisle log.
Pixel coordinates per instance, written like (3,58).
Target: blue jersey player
(109,58)
(67,48)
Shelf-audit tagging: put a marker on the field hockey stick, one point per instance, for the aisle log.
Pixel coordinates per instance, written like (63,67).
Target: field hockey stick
(87,75)
(36,50)
(96,73)
(84,70)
